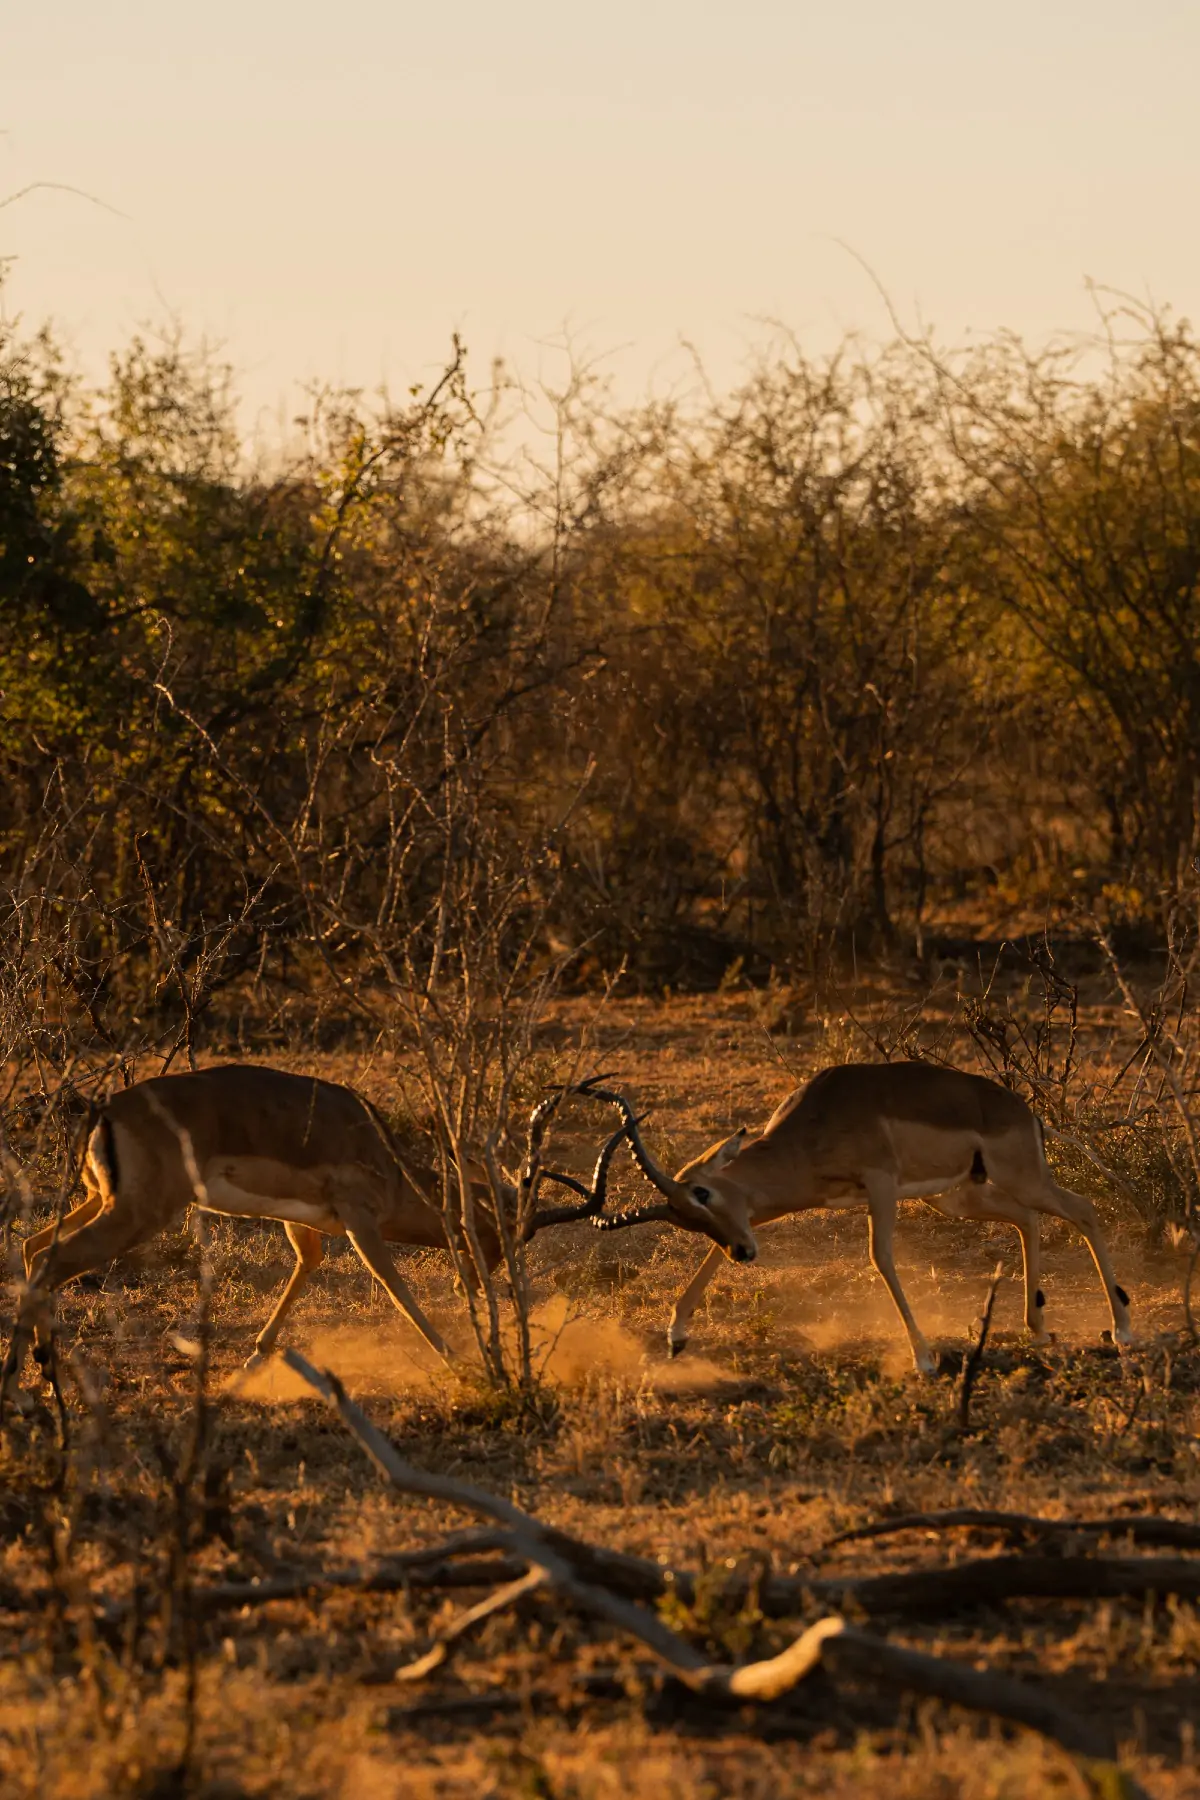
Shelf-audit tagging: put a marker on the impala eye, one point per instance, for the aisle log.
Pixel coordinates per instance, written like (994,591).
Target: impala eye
(703,1195)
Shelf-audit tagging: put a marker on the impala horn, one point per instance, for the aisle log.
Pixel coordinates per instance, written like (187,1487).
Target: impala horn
(675,1191)
(592,1198)
(642,1215)
(533,1174)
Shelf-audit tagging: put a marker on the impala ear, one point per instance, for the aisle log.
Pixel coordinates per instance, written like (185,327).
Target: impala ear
(725,1153)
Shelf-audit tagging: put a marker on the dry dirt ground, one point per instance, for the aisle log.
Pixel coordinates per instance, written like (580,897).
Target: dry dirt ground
(792,1416)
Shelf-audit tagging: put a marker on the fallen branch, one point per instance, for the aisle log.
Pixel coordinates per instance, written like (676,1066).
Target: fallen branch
(830,1643)
(616,1569)
(870,1659)
(986,1580)
(386,1577)
(435,1566)
(1140,1528)
(990,1580)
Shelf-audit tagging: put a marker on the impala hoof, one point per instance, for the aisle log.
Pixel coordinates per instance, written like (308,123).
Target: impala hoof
(257,1361)
(676,1349)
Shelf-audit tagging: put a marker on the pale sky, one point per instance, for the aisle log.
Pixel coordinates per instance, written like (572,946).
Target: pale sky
(331,190)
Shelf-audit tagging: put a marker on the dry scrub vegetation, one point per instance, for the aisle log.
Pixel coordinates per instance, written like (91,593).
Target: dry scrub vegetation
(854,715)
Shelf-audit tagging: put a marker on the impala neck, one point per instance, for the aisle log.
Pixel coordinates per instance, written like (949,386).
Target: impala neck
(774,1177)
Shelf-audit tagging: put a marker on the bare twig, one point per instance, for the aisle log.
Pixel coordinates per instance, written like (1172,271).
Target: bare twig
(466,1622)
(973,1359)
(61,187)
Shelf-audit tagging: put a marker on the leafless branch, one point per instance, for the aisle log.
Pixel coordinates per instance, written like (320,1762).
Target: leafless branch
(974,1357)
(465,1623)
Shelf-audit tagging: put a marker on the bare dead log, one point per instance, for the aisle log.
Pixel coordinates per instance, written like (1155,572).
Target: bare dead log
(438,1566)
(866,1658)
(985,1581)
(1139,1528)
(830,1643)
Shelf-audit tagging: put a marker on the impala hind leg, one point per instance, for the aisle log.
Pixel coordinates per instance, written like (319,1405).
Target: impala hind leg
(108,1232)
(368,1241)
(37,1242)
(990,1205)
(309,1246)
(36,1249)
(881,1206)
(693,1293)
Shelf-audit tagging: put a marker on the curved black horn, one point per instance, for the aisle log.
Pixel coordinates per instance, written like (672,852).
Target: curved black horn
(539,1118)
(532,1172)
(643,1215)
(593,1197)
(586,1086)
(653,1171)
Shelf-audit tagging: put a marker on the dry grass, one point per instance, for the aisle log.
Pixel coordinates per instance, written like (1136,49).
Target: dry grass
(792,1416)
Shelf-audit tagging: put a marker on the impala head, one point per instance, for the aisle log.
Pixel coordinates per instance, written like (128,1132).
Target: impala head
(713,1201)
(702,1197)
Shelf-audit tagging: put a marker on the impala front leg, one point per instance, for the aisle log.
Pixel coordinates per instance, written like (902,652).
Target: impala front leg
(1082,1214)
(36,1251)
(106,1232)
(881,1202)
(367,1239)
(693,1293)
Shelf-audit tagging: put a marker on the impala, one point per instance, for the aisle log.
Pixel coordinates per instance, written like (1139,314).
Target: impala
(257,1143)
(871,1134)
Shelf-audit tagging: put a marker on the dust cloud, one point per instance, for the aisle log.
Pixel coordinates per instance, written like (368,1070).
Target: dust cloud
(568,1350)
(366,1359)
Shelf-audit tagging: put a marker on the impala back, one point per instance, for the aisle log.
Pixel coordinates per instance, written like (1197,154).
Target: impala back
(928,1126)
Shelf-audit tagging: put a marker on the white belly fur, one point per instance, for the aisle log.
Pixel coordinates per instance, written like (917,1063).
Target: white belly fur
(928,1189)
(925,1190)
(238,1203)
